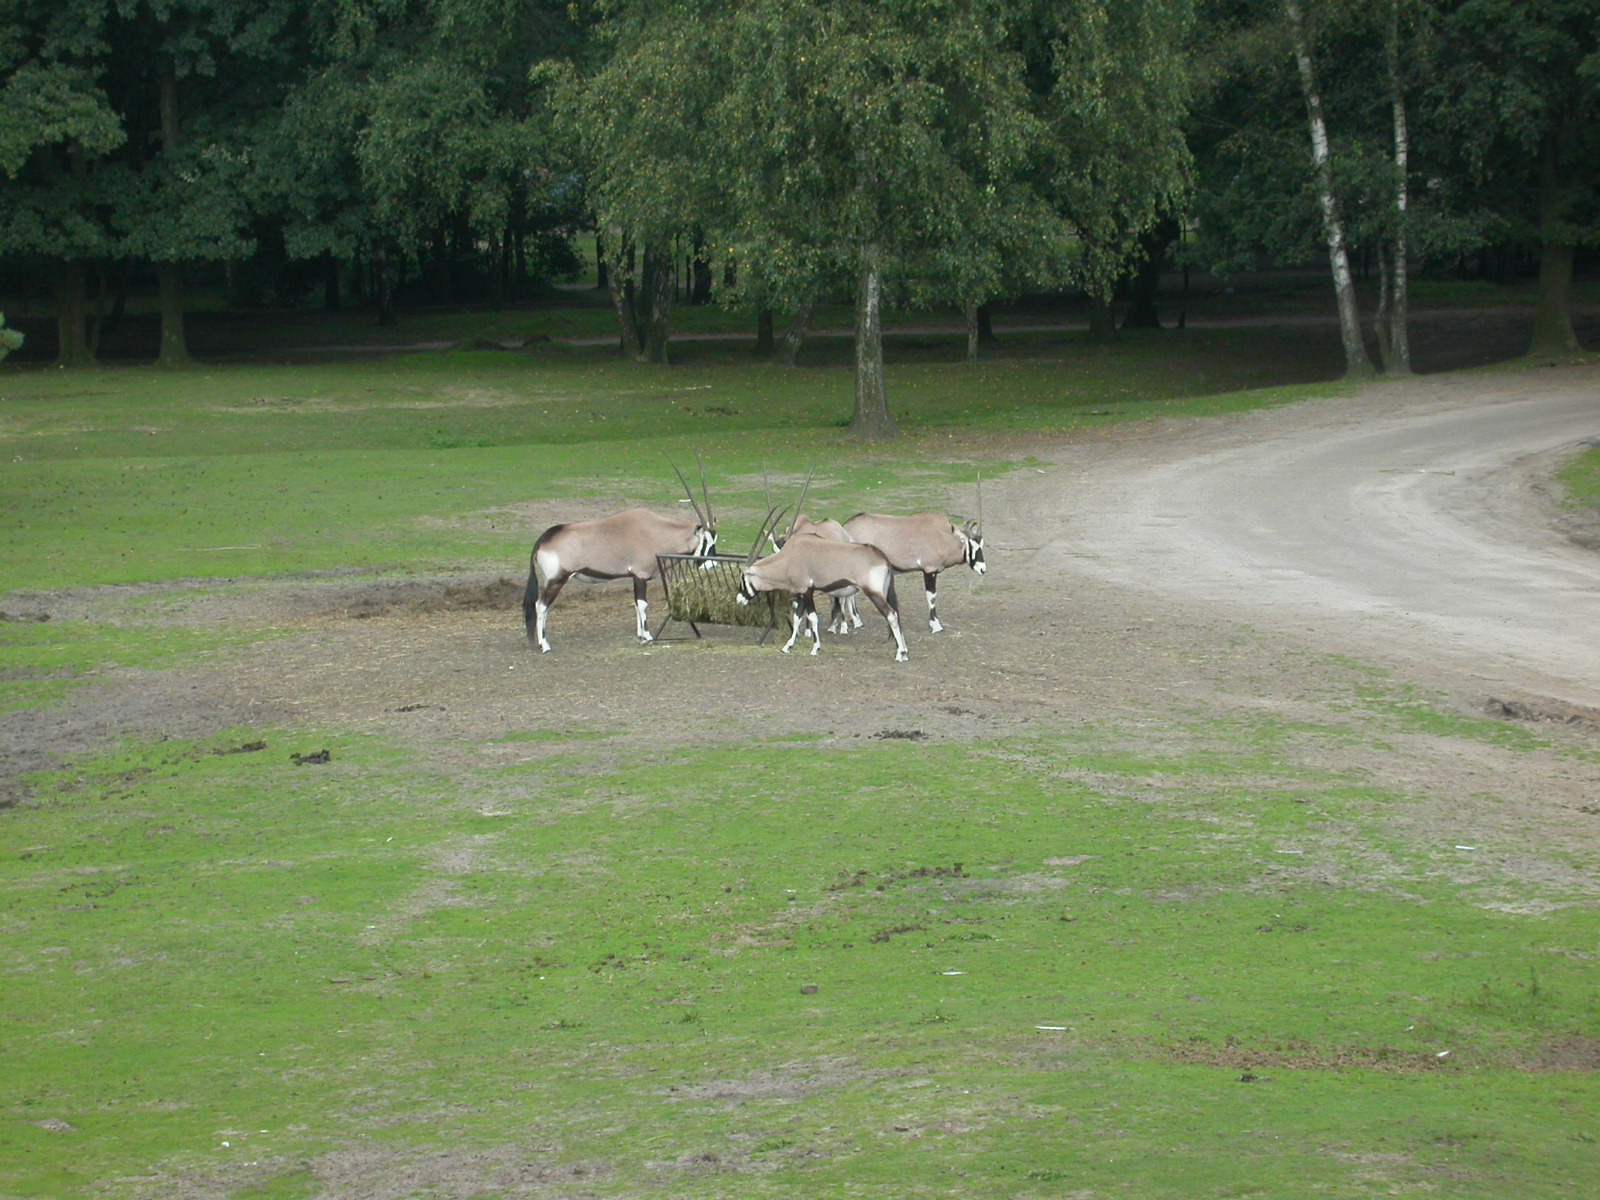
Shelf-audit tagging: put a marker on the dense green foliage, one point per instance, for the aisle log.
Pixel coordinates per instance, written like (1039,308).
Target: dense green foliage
(777,153)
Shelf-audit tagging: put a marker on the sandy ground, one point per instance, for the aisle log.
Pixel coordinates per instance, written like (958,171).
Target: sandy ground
(1145,577)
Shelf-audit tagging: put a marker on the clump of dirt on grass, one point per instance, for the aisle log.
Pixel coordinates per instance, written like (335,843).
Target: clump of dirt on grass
(1572,1053)
(419,599)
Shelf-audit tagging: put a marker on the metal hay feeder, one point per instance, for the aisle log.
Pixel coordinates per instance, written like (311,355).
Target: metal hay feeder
(704,590)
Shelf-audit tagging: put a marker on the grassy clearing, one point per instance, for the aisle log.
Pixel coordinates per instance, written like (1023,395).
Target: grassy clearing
(229,964)
(126,475)
(1044,965)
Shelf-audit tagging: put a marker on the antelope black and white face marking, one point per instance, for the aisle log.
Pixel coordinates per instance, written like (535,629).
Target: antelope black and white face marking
(705,542)
(975,553)
(747,590)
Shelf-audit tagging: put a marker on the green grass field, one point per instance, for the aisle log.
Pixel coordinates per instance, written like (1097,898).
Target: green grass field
(1046,962)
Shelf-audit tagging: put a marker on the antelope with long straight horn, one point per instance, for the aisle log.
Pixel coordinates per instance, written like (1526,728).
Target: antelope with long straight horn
(623,545)
(926,542)
(844,617)
(809,564)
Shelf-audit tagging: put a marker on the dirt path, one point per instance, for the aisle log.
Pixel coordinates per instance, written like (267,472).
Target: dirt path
(1406,525)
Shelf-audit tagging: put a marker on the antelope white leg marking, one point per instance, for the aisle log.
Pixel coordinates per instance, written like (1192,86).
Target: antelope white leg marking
(933,615)
(900,652)
(541,611)
(643,608)
(855,614)
(794,615)
(816,636)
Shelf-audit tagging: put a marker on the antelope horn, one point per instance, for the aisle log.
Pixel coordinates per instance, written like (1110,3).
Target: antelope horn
(774,515)
(711,520)
(980,501)
(704,520)
(801,507)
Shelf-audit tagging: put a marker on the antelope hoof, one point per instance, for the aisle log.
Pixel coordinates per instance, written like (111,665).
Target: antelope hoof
(544,647)
(935,627)
(901,656)
(816,646)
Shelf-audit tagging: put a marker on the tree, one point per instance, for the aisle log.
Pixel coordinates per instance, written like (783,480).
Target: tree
(59,126)
(416,133)
(639,122)
(882,145)
(1112,80)
(1519,88)
(145,106)
(1357,364)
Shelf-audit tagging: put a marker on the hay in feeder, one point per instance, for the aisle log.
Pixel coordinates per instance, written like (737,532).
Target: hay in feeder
(706,591)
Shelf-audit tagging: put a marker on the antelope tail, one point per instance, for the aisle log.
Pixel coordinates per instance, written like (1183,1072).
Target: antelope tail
(531,595)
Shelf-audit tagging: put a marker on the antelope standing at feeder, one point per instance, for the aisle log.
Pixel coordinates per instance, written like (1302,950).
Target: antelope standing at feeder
(844,618)
(926,542)
(623,545)
(809,564)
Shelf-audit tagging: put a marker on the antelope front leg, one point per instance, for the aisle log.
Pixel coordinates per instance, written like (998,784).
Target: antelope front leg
(930,585)
(816,633)
(641,608)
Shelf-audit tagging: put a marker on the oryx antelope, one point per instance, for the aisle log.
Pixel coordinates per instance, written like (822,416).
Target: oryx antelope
(926,542)
(844,618)
(808,564)
(623,545)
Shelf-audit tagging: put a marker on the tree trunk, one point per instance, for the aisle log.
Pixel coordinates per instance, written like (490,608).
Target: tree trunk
(602,279)
(972,330)
(1357,364)
(623,298)
(795,335)
(871,421)
(699,271)
(120,271)
(986,337)
(1102,321)
(383,287)
(656,295)
(1144,288)
(441,266)
(332,301)
(1380,317)
(169,275)
(174,347)
(1553,334)
(1394,326)
(766,343)
(71,285)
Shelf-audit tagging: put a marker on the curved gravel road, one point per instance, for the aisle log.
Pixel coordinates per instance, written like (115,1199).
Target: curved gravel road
(1402,524)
